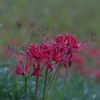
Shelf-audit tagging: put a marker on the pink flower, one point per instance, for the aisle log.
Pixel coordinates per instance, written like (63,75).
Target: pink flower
(23,70)
(36,71)
(64,47)
(92,52)
(60,50)
(43,54)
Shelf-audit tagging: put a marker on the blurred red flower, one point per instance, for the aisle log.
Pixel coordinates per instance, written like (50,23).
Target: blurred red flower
(15,42)
(5,51)
(77,60)
(92,52)
(85,71)
(96,73)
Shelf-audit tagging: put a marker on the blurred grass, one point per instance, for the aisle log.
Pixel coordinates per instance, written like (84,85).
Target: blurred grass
(64,13)
(83,89)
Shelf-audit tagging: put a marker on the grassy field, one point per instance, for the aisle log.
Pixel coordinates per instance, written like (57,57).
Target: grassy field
(46,14)
(20,20)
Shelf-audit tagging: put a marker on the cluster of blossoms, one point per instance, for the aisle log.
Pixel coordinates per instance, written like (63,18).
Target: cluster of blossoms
(58,51)
(23,70)
(91,69)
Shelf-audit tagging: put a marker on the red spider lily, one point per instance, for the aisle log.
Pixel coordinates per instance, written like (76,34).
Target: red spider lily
(43,54)
(21,70)
(36,71)
(92,52)
(64,47)
(60,50)
(68,46)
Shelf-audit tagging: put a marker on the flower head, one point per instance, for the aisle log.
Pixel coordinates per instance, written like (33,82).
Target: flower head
(66,46)
(59,50)
(41,54)
(23,70)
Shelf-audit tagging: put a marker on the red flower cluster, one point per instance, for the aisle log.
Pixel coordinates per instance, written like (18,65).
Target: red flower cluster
(20,69)
(59,51)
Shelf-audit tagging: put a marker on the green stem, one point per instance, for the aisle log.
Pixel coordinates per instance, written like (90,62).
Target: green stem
(54,83)
(25,88)
(36,88)
(64,83)
(45,84)
(51,81)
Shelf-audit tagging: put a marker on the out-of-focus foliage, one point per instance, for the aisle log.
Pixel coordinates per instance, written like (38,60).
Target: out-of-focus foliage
(20,19)
(76,88)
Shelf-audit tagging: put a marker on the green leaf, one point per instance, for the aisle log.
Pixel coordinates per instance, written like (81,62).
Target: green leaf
(59,95)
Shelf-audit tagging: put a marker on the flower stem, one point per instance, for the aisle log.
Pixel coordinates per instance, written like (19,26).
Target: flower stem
(51,81)
(64,83)
(36,88)
(54,83)
(25,88)
(45,84)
